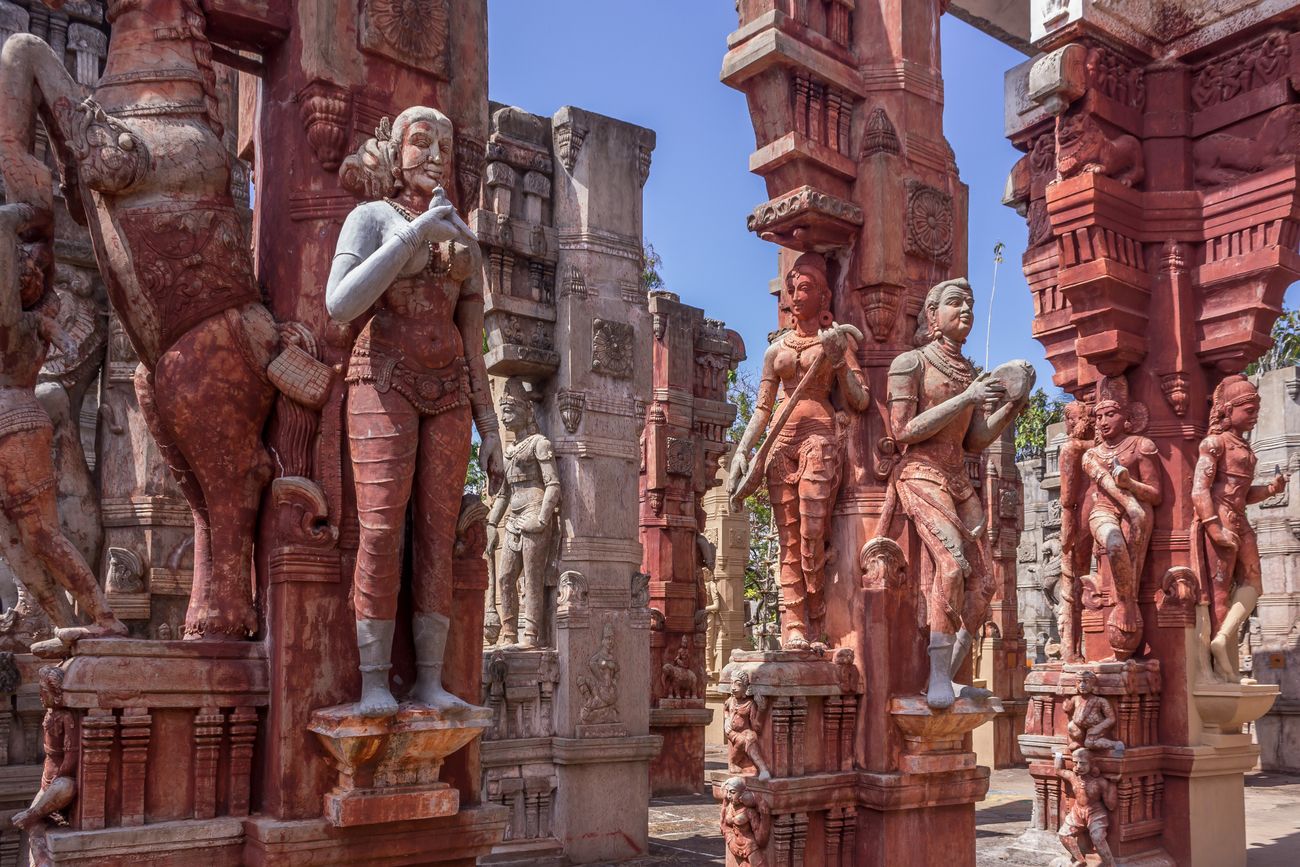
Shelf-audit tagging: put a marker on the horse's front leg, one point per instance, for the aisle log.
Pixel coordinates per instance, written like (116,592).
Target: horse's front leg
(34,82)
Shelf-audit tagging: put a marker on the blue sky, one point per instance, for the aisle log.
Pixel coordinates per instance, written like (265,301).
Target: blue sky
(656,64)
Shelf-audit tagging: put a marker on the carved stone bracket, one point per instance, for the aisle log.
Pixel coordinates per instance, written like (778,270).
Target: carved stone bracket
(325,108)
(807,219)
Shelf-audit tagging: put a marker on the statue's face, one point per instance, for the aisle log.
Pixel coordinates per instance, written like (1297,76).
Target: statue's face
(733,795)
(737,689)
(955,314)
(1082,764)
(425,153)
(1110,422)
(808,296)
(1085,686)
(1244,416)
(513,414)
(1077,422)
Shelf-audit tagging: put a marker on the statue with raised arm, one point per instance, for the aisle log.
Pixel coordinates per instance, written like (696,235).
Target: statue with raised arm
(143,162)
(745,824)
(522,523)
(939,411)
(1124,493)
(408,266)
(42,556)
(1222,487)
(1076,539)
(802,458)
(1087,822)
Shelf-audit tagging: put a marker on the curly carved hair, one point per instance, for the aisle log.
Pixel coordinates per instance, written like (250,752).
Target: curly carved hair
(374,171)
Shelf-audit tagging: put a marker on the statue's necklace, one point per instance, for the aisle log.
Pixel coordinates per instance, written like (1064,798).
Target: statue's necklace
(435,265)
(955,369)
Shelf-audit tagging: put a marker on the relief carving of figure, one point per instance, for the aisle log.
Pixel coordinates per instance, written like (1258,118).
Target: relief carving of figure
(408,265)
(713,623)
(1124,493)
(523,519)
(41,555)
(745,825)
(1091,717)
(939,411)
(802,458)
(1222,487)
(1076,538)
(1087,821)
(680,679)
(742,723)
(59,776)
(145,162)
(600,690)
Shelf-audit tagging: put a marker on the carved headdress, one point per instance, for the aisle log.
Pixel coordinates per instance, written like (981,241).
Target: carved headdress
(1112,393)
(1233,391)
(813,265)
(375,170)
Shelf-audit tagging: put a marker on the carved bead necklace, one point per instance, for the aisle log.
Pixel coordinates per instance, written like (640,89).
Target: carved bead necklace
(956,370)
(800,345)
(435,266)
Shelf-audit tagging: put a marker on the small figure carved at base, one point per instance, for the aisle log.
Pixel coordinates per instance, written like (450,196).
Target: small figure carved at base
(600,690)
(524,518)
(44,559)
(1091,717)
(1088,819)
(1221,490)
(741,726)
(746,824)
(679,679)
(59,777)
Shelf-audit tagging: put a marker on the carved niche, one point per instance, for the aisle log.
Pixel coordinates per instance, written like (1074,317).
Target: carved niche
(611,348)
(412,32)
(929,223)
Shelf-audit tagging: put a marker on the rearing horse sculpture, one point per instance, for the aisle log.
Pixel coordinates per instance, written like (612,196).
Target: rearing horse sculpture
(143,157)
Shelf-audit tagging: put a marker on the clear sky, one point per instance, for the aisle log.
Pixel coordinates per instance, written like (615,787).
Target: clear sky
(656,63)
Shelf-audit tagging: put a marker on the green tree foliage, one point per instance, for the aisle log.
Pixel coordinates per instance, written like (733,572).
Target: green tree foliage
(1285,351)
(475,478)
(764,550)
(651,264)
(1031,426)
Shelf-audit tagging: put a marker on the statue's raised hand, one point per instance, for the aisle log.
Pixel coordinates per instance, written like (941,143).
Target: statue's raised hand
(985,389)
(439,222)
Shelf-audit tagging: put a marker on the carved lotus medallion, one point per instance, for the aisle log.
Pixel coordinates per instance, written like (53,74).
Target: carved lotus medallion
(412,32)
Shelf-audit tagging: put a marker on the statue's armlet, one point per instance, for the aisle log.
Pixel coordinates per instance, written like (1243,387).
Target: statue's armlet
(903,378)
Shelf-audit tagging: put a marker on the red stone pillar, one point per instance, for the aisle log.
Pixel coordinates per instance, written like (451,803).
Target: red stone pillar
(1159,188)
(687,422)
(846,98)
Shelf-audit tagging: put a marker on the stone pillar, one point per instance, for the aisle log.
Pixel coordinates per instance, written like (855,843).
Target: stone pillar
(847,104)
(727,529)
(1275,651)
(687,423)
(1000,659)
(603,741)
(1038,558)
(1158,189)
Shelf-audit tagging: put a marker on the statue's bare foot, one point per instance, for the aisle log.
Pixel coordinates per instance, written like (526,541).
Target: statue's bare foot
(431,694)
(795,641)
(939,695)
(974,693)
(1222,662)
(376,701)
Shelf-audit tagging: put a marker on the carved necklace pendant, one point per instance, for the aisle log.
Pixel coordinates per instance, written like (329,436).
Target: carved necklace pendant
(956,369)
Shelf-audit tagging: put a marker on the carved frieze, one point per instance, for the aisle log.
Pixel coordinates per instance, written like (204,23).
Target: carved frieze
(1240,70)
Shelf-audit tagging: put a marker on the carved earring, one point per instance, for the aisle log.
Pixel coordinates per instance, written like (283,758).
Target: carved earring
(826,319)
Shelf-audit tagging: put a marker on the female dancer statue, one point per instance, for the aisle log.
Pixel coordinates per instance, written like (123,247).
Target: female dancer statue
(414,377)
(805,459)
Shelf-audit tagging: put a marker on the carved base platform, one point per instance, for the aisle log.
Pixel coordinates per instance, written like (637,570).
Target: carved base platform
(449,841)
(388,766)
(679,767)
(934,739)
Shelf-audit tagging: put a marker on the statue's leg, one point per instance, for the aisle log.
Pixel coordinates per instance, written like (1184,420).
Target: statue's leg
(785,514)
(206,368)
(383,432)
(508,582)
(1245,583)
(443,455)
(535,546)
(33,80)
(931,512)
(28,487)
(818,481)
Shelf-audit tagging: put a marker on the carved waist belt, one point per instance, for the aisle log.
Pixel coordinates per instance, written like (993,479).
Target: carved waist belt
(27,415)
(956,483)
(192,262)
(430,391)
